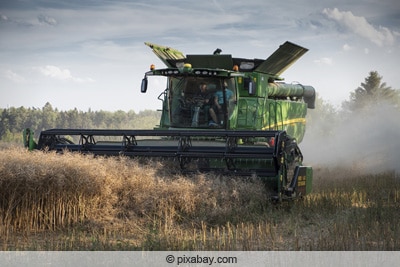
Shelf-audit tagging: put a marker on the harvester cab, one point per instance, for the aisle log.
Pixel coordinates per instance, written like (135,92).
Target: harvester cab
(220,114)
(245,94)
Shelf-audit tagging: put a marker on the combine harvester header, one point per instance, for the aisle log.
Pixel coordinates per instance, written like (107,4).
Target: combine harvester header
(220,114)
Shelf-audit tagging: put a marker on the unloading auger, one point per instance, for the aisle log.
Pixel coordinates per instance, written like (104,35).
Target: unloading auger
(220,114)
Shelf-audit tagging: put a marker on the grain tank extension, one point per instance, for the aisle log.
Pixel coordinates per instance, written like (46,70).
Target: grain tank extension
(220,114)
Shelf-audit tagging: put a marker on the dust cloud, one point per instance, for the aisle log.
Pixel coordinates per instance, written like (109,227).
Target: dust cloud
(369,140)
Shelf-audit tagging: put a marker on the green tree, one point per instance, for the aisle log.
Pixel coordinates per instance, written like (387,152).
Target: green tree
(49,117)
(372,92)
(4,123)
(75,119)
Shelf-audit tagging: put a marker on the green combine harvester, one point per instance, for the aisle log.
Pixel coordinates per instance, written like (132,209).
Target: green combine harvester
(220,114)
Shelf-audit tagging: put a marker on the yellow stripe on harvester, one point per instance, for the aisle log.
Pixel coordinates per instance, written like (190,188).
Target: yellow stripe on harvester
(286,122)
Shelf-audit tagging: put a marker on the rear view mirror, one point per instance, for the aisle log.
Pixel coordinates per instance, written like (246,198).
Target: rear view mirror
(143,87)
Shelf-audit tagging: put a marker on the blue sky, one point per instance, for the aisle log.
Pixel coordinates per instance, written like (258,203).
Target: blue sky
(91,54)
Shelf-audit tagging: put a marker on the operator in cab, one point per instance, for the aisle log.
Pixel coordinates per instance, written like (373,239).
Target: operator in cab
(204,98)
(218,102)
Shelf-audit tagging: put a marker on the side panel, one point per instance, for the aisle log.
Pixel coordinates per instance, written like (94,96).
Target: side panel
(250,113)
(269,114)
(286,115)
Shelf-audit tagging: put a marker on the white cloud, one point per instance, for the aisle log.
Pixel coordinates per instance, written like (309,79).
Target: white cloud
(56,72)
(9,74)
(61,74)
(3,17)
(324,61)
(347,47)
(43,19)
(360,26)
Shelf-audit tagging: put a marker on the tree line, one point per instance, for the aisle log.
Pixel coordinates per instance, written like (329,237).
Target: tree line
(14,120)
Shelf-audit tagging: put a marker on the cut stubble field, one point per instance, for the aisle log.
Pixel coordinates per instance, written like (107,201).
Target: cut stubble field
(76,202)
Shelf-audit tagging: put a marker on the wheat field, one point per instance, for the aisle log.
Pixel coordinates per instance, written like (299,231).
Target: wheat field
(77,202)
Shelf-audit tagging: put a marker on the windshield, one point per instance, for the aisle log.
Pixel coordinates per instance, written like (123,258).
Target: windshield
(201,102)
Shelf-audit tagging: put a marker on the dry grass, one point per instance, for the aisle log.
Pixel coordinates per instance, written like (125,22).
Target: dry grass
(76,202)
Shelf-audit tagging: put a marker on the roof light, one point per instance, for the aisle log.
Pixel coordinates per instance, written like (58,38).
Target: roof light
(152,67)
(246,65)
(187,67)
(235,68)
